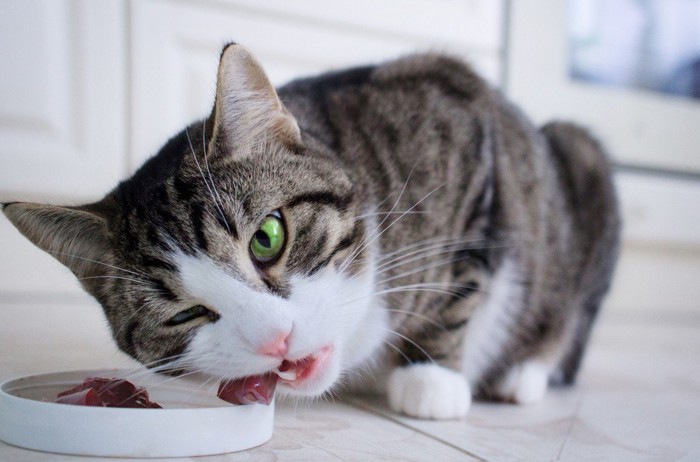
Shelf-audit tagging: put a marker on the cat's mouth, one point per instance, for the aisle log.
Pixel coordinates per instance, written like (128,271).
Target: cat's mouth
(298,375)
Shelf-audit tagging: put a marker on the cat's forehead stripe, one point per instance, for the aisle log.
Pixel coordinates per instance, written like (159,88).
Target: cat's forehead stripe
(197,211)
(150,261)
(329,198)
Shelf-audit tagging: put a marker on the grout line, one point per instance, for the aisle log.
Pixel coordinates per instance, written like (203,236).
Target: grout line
(365,407)
(574,418)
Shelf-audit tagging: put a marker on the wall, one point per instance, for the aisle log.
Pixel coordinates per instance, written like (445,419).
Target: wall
(91,89)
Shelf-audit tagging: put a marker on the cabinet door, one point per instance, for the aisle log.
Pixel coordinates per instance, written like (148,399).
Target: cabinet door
(176,45)
(62,119)
(62,98)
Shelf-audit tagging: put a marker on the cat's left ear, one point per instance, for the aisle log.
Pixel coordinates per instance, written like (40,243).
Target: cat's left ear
(247,109)
(78,237)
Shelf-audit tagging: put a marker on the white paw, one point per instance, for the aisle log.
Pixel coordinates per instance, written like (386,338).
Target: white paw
(525,383)
(429,391)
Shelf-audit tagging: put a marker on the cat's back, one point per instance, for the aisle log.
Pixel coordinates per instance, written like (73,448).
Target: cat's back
(402,92)
(441,69)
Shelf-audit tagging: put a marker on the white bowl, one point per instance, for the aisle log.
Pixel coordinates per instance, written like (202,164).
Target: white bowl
(194,422)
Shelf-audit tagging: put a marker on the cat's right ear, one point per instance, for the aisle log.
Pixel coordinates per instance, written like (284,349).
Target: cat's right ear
(75,236)
(247,110)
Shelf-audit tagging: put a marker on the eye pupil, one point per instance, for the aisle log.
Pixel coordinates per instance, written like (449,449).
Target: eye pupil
(263,239)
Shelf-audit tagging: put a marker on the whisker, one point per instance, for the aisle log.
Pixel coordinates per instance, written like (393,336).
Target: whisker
(206,183)
(407,288)
(380,203)
(372,239)
(422,254)
(135,377)
(445,261)
(138,281)
(165,359)
(420,316)
(398,350)
(402,289)
(213,184)
(412,342)
(64,254)
(373,214)
(428,244)
(205,383)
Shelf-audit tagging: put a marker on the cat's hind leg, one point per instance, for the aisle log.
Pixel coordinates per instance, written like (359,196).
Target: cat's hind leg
(584,171)
(499,367)
(525,383)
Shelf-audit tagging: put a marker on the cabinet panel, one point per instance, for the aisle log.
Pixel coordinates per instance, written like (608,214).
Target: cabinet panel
(660,259)
(63,98)
(175,47)
(474,22)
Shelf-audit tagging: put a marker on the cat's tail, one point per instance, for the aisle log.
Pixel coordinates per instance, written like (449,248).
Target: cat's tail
(585,169)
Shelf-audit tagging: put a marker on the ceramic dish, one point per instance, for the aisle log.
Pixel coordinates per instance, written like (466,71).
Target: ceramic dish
(193,421)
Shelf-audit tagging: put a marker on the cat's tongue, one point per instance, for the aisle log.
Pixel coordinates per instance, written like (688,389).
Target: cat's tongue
(248,390)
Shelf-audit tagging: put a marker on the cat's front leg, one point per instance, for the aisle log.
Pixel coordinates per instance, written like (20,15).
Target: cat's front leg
(431,384)
(429,391)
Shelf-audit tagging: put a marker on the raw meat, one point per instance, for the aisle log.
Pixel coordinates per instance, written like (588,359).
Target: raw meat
(98,391)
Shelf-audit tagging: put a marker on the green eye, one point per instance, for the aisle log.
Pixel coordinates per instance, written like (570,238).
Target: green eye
(268,240)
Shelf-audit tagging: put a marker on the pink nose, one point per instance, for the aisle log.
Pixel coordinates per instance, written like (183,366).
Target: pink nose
(277,347)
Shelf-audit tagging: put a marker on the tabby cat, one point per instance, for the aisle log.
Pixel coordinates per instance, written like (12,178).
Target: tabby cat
(398,226)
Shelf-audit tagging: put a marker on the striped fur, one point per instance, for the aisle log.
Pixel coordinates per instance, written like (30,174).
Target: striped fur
(427,221)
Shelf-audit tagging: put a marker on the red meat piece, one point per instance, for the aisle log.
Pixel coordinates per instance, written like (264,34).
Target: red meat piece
(98,391)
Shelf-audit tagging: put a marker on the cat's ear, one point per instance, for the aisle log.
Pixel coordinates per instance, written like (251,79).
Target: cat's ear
(75,236)
(247,109)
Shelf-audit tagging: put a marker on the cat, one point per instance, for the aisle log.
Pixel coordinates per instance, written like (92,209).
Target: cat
(398,225)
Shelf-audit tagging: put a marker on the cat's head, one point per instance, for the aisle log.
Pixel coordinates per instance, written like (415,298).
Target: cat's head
(232,250)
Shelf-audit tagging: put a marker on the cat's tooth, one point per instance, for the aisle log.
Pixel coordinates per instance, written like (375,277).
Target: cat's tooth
(290,375)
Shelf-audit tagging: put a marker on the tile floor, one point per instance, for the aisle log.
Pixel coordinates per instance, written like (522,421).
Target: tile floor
(638,399)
